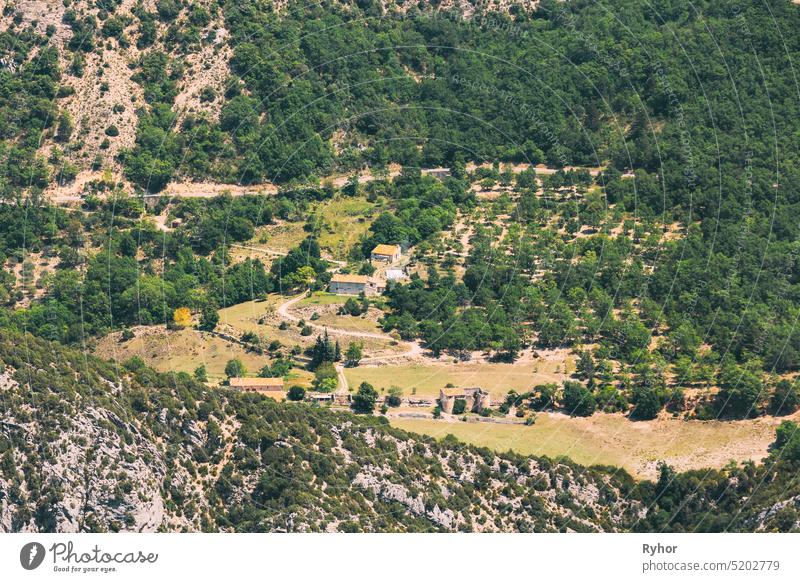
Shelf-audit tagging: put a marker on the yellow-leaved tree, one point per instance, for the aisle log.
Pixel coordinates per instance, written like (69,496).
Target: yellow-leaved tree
(182,317)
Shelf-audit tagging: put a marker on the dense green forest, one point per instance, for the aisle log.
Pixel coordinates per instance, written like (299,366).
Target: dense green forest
(694,99)
(138,275)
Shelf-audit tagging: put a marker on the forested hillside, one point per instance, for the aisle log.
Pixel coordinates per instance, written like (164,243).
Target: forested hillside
(698,99)
(669,268)
(90,446)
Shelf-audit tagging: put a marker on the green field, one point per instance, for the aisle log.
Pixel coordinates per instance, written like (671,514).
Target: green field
(322,298)
(345,221)
(428,379)
(342,223)
(611,439)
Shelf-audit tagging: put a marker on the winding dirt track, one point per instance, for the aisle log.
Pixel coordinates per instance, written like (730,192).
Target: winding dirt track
(70,194)
(413,348)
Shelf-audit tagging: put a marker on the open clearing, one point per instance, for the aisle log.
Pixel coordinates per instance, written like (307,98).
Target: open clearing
(428,379)
(342,222)
(246,316)
(184,350)
(612,439)
(325,309)
(322,298)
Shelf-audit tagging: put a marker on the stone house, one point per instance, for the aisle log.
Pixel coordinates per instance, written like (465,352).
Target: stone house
(475,399)
(355,285)
(438,173)
(386,253)
(272,387)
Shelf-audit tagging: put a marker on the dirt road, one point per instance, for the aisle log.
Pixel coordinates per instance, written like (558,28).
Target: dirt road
(413,348)
(70,194)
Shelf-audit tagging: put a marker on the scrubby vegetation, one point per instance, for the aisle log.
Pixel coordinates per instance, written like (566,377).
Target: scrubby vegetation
(671,271)
(161,451)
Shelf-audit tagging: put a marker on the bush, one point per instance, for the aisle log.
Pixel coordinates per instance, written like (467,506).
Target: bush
(208,319)
(326,379)
(544,396)
(646,403)
(393,400)
(296,393)
(785,399)
(787,441)
(577,400)
(395,396)
(200,374)
(365,399)
(168,9)
(235,368)
(740,392)
(112,130)
(207,94)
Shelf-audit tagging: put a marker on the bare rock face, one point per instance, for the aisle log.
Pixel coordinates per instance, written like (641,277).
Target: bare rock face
(761,521)
(107,473)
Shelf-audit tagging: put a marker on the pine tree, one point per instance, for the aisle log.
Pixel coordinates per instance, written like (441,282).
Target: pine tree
(330,350)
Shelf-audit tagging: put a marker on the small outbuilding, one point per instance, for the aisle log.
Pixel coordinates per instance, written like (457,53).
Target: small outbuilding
(320,396)
(386,253)
(438,173)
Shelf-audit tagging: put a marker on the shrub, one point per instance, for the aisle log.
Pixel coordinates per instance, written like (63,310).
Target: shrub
(785,399)
(208,319)
(365,399)
(577,400)
(235,368)
(200,373)
(646,403)
(787,441)
(296,393)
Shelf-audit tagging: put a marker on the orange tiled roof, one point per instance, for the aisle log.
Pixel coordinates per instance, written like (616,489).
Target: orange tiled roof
(387,250)
(267,383)
(340,278)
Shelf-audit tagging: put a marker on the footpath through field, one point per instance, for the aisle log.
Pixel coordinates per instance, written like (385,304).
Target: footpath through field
(413,348)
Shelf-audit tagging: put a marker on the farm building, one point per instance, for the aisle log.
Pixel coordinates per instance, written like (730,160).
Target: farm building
(272,387)
(438,173)
(320,396)
(475,399)
(395,274)
(355,285)
(386,253)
